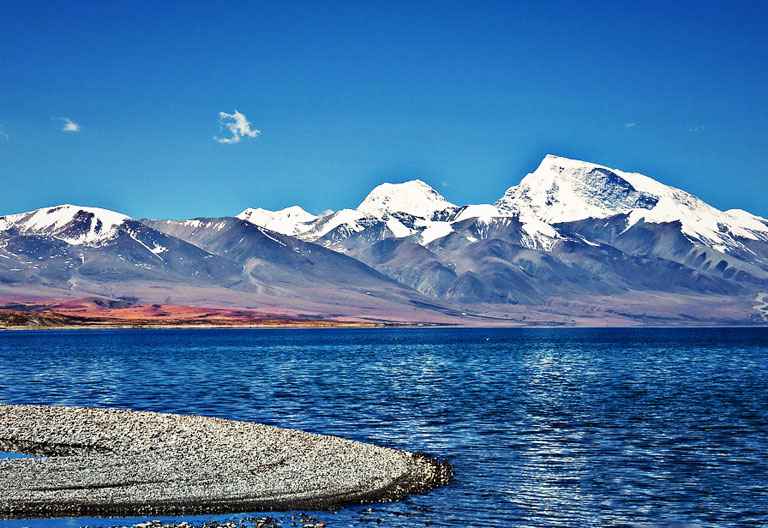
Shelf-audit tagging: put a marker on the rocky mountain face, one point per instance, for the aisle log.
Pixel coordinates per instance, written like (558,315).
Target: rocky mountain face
(269,258)
(572,237)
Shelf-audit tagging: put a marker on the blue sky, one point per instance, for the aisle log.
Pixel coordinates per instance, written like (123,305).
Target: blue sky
(467,96)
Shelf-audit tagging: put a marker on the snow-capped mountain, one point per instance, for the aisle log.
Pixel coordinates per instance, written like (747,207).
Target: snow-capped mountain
(289,221)
(569,231)
(563,190)
(569,226)
(86,249)
(414,198)
(389,210)
(559,191)
(73,224)
(415,209)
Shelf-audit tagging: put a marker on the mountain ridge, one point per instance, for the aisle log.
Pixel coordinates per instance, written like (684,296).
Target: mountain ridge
(568,232)
(560,190)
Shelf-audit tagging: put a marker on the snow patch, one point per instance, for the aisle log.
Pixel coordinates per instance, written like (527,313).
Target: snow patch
(397,228)
(435,231)
(481,211)
(273,239)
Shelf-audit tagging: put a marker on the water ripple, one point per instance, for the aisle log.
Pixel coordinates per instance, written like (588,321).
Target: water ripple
(546,428)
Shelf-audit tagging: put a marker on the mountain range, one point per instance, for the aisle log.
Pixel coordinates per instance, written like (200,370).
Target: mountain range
(574,243)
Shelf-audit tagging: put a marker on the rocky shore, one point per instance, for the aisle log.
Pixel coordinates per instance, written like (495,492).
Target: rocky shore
(118,462)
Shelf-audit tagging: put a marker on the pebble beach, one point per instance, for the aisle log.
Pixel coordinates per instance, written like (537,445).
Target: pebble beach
(89,461)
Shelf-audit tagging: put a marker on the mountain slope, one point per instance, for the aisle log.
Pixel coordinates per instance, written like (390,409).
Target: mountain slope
(290,271)
(485,262)
(269,255)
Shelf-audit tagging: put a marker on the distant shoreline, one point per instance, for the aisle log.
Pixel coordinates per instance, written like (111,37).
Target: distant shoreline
(85,315)
(298,326)
(212,327)
(371,326)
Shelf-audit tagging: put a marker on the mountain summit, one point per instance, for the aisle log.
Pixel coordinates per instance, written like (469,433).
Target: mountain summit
(564,190)
(390,210)
(289,221)
(414,198)
(71,223)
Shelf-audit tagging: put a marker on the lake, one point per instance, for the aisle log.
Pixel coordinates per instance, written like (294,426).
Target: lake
(545,427)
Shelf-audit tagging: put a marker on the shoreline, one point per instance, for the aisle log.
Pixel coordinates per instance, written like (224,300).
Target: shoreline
(112,462)
(352,326)
(123,313)
(370,326)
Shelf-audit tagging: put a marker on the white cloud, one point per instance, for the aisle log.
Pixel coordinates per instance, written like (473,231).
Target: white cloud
(695,129)
(4,137)
(70,126)
(631,124)
(238,127)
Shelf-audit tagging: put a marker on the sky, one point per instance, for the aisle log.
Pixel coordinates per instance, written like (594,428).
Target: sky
(206,108)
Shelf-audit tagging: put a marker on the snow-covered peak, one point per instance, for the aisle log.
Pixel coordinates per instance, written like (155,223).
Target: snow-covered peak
(71,223)
(566,190)
(413,197)
(289,221)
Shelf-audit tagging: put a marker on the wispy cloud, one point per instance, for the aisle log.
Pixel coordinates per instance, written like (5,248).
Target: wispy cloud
(69,126)
(695,129)
(631,124)
(237,126)
(4,137)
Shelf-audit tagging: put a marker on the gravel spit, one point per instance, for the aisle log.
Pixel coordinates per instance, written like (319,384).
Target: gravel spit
(122,463)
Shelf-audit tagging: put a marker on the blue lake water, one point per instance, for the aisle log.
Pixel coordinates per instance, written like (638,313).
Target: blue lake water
(545,427)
